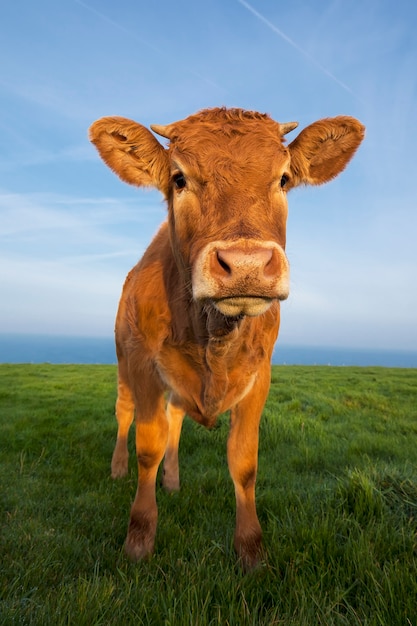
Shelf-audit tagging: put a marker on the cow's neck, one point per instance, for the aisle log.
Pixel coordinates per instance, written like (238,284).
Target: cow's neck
(219,326)
(220,346)
(212,340)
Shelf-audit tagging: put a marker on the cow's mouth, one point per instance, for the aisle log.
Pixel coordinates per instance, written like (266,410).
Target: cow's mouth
(243,305)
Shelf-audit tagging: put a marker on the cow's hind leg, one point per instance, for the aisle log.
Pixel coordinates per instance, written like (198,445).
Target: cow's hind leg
(124,415)
(151,440)
(171,474)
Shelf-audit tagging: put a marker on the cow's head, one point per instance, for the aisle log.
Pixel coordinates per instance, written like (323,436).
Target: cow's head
(225,175)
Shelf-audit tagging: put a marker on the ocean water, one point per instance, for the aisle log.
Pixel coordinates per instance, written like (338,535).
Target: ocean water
(56,349)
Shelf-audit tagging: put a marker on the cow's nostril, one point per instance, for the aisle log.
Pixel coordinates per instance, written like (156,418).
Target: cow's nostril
(223,263)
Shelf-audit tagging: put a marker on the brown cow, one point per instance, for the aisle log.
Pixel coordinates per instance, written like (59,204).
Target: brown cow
(199,314)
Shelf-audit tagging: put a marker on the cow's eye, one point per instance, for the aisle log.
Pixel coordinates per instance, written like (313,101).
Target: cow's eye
(283,181)
(179,180)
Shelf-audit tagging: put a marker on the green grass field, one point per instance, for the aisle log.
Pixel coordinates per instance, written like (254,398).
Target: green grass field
(336,495)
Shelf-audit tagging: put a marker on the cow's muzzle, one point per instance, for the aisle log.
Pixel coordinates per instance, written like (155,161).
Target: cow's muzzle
(241,277)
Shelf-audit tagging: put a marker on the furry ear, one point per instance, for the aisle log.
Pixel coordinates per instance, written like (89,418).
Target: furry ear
(132,152)
(322,150)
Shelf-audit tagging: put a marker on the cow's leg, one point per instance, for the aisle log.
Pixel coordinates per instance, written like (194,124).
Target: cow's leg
(125,410)
(171,475)
(151,440)
(242,456)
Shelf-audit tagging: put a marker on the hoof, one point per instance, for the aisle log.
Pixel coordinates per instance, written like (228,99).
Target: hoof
(250,552)
(119,468)
(138,551)
(140,538)
(170,484)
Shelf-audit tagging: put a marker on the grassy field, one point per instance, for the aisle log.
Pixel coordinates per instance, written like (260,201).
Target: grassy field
(336,494)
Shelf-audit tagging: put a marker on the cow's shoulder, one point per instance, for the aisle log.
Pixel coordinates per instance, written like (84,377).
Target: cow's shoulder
(143,318)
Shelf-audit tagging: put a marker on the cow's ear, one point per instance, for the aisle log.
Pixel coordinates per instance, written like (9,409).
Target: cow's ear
(323,149)
(132,152)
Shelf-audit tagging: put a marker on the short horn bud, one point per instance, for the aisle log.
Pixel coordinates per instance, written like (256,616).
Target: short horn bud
(287,127)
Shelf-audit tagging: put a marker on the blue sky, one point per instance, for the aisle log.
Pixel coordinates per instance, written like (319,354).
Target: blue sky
(70,230)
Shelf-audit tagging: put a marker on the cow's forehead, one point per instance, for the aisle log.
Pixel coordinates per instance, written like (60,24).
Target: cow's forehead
(212,137)
(224,124)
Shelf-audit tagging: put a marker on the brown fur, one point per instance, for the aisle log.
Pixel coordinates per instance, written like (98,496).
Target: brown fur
(199,314)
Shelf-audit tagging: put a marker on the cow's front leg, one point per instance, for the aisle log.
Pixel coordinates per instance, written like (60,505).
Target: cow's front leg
(151,439)
(242,456)
(171,475)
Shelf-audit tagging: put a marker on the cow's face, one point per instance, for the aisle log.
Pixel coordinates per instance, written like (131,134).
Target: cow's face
(228,209)
(226,175)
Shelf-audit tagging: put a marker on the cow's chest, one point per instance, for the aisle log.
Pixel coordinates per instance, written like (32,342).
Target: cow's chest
(208,382)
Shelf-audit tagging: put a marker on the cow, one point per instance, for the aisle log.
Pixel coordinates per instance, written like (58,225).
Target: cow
(199,314)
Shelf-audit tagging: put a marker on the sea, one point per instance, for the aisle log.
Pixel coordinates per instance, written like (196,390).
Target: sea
(83,350)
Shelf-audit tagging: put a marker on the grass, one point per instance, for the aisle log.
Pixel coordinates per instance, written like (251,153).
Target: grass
(336,494)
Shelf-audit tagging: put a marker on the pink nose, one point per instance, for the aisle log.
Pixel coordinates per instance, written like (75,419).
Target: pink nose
(235,263)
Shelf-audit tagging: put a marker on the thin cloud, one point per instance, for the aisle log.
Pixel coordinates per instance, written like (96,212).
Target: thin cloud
(125,30)
(34,156)
(292,43)
(144,42)
(104,256)
(33,212)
